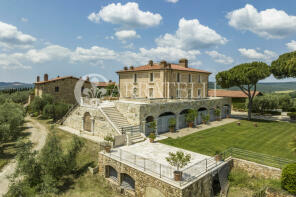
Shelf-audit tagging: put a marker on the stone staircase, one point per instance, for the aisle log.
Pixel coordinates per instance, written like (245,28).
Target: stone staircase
(122,124)
(62,120)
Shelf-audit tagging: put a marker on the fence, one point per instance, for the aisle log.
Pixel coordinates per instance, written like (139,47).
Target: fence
(258,157)
(131,129)
(164,171)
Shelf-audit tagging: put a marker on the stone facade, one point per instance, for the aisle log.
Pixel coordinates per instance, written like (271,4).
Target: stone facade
(100,127)
(149,186)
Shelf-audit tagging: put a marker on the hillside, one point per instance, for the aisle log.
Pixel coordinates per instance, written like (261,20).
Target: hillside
(12,85)
(267,87)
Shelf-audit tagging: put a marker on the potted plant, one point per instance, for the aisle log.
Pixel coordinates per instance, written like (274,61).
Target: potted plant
(205,119)
(292,116)
(152,137)
(172,124)
(152,126)
(190,117)
(178,160)
(109,139)
(218,114)
(218,156)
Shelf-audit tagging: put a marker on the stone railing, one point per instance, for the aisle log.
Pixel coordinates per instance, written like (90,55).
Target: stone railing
(90,102)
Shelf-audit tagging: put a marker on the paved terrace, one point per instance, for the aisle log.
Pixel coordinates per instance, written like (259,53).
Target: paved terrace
(150,158)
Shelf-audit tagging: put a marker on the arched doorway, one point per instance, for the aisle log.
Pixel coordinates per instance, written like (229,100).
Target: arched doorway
(226,111)
(163,122)
(200,113)
(127,181)
(148,120)
(111,173)
(182,119)
(87,122)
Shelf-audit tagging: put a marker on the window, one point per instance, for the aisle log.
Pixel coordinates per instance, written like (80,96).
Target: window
(199,93)
(198,78)
(150,92)
(178,93)
(135,92)
(56,89)
(178,77)
(151,77)
(189,78)
(189,93)
(135,78)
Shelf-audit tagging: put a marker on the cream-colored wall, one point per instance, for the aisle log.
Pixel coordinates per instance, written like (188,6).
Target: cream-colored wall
(164,85)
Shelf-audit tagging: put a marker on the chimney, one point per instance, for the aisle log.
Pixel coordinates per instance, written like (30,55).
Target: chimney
(183,62)
(150,63)
(125,68)
(163,64)
(38,78)
(131,67)
(45,77)
(87,78)
(110,81)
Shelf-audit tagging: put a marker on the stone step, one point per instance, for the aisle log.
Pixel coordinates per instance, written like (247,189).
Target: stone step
(138,140)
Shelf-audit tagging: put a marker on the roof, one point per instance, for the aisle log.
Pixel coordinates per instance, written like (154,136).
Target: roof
(231,93)
(159,67)
(105,84)
(57,79)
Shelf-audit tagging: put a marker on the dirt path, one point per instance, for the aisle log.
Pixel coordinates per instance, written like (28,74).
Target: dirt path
(37,137)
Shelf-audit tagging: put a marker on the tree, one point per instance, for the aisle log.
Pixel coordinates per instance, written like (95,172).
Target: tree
(178,159)
(245,76)
(284,66)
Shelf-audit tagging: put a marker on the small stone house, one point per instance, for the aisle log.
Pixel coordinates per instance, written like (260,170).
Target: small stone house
(163,80)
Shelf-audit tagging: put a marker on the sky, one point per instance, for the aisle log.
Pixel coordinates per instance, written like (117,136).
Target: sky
(84,37)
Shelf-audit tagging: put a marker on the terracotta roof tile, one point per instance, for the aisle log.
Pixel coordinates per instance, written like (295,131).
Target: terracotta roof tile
(105,84)
(230,93)
(56,79)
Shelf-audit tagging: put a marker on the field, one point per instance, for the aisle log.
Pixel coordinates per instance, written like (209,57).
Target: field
(270,138)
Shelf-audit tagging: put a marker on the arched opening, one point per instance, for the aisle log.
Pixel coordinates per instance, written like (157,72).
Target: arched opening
(226,111)
(182,119)
(87,122)
(127,182)
(148,120)
(111,173)
(163,122)
(200,113)
(212,115)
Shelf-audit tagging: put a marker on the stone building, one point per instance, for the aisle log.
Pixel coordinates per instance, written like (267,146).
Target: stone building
(163,80)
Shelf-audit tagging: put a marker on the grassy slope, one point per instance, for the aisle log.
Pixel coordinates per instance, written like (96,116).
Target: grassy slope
(269,137)
(84,184)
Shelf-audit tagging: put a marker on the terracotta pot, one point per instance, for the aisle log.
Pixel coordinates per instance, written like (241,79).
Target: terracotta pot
(177,175)
(190,124)
(238,123)
(218,157)
(255,125)
(108,149)
(151,140)
(172,129)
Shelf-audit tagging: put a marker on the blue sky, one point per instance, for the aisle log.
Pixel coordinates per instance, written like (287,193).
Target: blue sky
(101,36)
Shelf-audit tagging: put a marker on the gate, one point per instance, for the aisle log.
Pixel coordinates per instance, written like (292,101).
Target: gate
(212,115)
(182,121)
(163,123)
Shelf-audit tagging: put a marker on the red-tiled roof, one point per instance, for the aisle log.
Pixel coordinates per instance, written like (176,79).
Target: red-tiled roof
(57,79)
(105,84)
(159,67)
(231,93)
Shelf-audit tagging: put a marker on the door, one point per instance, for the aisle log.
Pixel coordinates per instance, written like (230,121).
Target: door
(182,121)
(163,124)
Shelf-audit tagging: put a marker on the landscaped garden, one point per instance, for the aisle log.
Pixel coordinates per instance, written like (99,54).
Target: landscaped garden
(270,138)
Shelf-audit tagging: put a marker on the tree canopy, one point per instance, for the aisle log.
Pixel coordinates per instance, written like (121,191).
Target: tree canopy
(284,66)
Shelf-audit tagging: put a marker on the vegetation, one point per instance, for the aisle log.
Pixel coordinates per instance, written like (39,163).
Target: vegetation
(292,144)
(20,97)
(191,115)
(205,118)
(109,138)
(172,122)
(270,138)
(152,125)
(178,159)
(152,136)
(288,179)
(284,66)
(245,76)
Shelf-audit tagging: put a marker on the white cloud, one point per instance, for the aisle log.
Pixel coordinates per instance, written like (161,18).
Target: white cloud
(12,61)
(255,55)
(11,37)
(128,15)
(191,35)
(219,58)
(24,20)
(291,45)
(269,23)
(172,1)
(126,34)
(79,37)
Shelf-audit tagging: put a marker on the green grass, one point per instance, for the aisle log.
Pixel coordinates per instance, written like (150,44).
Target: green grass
(83,183)
(270,138)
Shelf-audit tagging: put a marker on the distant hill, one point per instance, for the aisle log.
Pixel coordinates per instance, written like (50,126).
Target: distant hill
(267,87)
(11,85)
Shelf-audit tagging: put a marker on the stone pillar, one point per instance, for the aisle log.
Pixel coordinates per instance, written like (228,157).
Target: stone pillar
(144,127)
(92,128)
(177,121)
(156,129)
(128,138)
(82,128)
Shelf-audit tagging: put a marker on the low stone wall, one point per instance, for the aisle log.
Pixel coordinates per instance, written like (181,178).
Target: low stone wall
(255,169)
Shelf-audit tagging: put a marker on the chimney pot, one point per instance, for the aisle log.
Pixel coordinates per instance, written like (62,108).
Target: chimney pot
(38,78)
(150,63)
(163,64)
(131,67)
(183,62)
(125,68)
(45,77)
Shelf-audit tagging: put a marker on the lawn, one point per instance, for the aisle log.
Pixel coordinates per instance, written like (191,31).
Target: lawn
(83,183)
(270,138)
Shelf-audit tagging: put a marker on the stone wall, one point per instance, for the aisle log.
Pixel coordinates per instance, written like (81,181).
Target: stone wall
(130,111)
(150,186)
(255,169)
(101,125)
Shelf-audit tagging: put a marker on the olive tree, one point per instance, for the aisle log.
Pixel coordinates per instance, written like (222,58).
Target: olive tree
(245,76)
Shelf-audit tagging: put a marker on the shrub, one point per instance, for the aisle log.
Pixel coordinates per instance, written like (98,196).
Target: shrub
(152,136)
(288,179)
(191,115)
(49,111)
(60,109)
(172,122)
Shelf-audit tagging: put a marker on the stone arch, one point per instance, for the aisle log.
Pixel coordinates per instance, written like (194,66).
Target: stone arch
(163,121)
(87,121)
(127,181)
(111,172)
(149,119)
(202,111)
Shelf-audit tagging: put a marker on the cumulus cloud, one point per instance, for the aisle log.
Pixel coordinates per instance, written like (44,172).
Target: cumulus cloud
(269,23)
(126,34)
(291,45)
(11,37)
(255,55)
(12,61)
(191,35)
(128,15)
(172,1)
(219,58)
